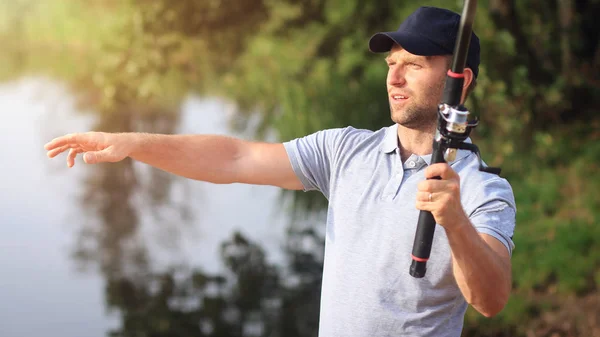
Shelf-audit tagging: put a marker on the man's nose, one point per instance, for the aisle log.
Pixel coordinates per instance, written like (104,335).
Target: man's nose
(396,76)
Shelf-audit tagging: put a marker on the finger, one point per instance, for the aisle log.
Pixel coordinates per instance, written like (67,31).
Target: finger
(442,170)
(72,138)
(425,196)
(99,156)
(431,186)
(71,157)
(425,205)
(53,153)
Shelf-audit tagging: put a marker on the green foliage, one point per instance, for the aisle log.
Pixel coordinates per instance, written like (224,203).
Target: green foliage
(558,217)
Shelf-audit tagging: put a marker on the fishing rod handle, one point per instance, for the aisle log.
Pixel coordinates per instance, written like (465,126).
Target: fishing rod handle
(425,226)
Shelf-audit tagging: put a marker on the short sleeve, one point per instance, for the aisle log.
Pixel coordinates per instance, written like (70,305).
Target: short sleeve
(495,211)
(312,157)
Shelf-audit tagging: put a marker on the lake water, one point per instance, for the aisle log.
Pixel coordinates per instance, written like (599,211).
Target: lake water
(42,292)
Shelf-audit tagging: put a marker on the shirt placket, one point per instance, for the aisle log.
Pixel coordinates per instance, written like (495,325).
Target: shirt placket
(403,172)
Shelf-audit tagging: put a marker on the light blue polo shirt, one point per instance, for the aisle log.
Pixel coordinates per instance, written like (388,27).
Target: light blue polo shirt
(367,290)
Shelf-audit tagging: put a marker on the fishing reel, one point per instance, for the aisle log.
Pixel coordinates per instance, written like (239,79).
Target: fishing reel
(453,129)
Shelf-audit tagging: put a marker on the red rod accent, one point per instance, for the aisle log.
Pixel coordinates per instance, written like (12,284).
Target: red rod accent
(418,259)
(455,75)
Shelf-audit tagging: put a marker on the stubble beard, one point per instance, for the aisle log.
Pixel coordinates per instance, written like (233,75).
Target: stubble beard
(414,117)
(419,115)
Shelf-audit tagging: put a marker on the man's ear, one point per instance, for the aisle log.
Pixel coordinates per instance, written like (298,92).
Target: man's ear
(467,82)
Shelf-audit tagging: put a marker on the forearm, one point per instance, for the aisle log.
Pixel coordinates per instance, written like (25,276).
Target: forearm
(482,276)
(209,158)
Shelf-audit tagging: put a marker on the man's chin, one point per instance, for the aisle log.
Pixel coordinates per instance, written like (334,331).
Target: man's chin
(414,123)
(405,119)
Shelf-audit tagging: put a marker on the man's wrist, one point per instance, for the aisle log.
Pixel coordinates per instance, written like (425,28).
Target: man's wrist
(459,227)
(136,142)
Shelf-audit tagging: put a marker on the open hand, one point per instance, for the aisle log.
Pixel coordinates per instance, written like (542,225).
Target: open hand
(442,197)
(97,147)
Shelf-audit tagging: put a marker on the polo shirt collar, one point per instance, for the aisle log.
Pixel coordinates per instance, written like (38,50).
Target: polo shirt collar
(390,141)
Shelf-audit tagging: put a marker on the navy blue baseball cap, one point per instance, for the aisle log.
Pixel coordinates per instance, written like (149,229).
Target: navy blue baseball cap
(428,31)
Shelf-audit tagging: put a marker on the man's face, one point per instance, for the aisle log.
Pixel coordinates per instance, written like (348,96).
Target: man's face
(415,85)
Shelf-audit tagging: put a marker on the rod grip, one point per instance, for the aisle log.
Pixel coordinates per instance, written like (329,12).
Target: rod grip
(425,225)
(422,244)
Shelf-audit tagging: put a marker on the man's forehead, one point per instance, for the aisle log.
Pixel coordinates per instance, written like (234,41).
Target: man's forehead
(398,52)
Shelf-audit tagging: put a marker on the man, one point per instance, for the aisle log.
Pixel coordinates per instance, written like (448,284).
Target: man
(375,183)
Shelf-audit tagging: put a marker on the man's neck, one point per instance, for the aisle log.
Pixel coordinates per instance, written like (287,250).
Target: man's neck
(415,141)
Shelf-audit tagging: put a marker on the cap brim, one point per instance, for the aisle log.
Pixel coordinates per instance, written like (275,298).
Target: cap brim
(414,44)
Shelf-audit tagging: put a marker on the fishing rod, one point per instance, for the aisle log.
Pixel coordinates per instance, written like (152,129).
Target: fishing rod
(452,130)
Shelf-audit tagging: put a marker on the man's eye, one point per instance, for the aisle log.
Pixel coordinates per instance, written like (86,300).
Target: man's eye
(390,64)
(414,65)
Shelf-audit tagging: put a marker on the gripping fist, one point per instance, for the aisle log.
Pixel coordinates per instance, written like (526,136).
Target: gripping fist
(442,197)
(97,147)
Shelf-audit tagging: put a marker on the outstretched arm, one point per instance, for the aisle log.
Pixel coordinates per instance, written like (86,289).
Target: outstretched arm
(211,158)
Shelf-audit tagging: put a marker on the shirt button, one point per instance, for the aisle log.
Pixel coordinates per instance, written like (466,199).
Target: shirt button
(411,164)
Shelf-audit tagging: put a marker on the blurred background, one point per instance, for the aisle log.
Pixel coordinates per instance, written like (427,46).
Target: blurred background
(125,250)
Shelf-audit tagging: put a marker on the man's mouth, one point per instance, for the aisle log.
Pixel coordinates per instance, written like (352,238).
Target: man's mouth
(399,98)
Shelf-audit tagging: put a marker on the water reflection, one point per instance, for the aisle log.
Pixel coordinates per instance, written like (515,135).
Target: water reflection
(40,295)
(110,192)
(173,257)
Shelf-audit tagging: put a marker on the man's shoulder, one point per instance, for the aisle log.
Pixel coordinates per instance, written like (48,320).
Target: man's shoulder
(358,132)
(481,185)
(340,142)
(353,138)
(468,166)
